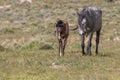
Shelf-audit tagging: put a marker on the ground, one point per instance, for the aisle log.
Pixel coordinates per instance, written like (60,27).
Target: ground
(28,47)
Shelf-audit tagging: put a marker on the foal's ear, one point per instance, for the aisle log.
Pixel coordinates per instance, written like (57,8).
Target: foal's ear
(55,25)
(66,23)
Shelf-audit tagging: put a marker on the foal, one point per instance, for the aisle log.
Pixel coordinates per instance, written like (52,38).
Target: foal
(62,32)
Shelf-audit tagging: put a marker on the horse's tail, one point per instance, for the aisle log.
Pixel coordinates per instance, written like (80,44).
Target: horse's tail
(74,28)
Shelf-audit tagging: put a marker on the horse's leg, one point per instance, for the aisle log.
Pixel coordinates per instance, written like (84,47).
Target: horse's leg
(60,47)
(64,44)
(97,41)
(83,44)
(89,44)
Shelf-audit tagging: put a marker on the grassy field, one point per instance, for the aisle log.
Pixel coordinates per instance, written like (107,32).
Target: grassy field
(28,47)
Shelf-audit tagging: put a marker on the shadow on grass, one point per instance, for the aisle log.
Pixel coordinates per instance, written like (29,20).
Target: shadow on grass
(105,54)
(100,54)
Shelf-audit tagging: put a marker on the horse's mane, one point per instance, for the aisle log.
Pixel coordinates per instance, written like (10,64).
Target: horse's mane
(59,22)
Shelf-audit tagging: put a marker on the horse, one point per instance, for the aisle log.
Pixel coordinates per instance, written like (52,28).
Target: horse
(89,21)
(62,33)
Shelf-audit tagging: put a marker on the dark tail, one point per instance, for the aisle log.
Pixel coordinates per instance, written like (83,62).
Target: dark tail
(74,28)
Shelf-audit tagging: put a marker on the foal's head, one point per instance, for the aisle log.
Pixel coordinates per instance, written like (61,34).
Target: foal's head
(59,28)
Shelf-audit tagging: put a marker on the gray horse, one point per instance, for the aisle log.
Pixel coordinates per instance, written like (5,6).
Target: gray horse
(89,21)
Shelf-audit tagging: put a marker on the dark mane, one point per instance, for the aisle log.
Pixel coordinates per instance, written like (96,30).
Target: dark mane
(59,23)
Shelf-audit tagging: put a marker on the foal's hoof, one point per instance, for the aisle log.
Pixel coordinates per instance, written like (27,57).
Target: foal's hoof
(60,54)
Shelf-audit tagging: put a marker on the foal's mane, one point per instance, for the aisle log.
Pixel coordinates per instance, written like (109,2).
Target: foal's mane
(59,22)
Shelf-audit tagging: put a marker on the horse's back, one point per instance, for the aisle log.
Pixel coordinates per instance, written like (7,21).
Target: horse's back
(96,17)
(67,29)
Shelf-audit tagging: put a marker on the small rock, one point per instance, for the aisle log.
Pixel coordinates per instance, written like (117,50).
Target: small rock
(116,39)
(22,1)
(53,63)
(92,79)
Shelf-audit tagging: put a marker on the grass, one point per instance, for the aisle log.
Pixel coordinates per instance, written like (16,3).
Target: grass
(35,65)
(28,48)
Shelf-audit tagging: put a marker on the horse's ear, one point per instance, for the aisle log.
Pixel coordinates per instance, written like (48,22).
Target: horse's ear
(88,12)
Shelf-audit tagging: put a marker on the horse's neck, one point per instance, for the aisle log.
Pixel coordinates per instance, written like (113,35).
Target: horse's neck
(66,28)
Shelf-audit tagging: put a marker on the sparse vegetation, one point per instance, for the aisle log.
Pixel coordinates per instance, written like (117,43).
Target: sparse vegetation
(28,47)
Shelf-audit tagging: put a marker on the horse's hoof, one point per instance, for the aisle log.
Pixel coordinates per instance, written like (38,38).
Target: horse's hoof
(60,54)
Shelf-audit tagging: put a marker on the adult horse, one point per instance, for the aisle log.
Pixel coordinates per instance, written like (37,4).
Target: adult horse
(62,32)
(89,21)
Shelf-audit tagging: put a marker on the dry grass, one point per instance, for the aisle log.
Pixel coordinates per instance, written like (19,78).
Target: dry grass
(28,48)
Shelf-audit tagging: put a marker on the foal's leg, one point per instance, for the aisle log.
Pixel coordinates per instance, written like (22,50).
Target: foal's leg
(97,41)
(83,44)
(89,44)
(60,47)
(64,44)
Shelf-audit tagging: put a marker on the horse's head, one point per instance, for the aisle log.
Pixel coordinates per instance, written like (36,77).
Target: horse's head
(82,23)
(85,20)
(59,28)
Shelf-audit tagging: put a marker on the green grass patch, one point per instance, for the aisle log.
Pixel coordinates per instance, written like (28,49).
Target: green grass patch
(29,49)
